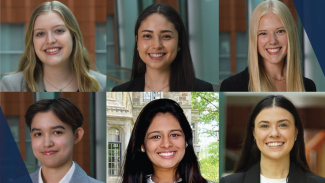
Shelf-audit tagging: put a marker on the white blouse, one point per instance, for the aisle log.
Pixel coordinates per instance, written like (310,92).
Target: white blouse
(267,180)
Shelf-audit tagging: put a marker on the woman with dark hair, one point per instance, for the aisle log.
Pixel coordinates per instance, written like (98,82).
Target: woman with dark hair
(273,148)
(55,126)
(162,59)
(161,148)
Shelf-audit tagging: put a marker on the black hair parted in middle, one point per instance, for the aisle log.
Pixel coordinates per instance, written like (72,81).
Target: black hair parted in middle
(137,164)
(182,75)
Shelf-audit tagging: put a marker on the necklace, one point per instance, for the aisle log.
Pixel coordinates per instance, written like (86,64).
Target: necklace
(158,90)
(61,90)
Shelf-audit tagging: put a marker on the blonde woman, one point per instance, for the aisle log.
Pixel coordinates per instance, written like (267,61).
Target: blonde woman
(55,58)
(273,56)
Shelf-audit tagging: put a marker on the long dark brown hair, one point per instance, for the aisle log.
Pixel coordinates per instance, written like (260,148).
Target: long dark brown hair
(251,155)
(182,75)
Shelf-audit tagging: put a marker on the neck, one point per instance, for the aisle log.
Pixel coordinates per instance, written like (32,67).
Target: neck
(157,80)
(276,169)
(275,71)
(55,174)
(59,78)
(164,175)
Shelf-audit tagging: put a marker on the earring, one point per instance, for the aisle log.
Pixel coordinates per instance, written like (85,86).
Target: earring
(254,140)
(295,138)
(186,144)
(142,149)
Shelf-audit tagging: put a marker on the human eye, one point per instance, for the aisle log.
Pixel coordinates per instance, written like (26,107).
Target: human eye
(154,137)
(281,31)
(57,132)
(59,31)
(146,36)
(166,36)
(37,134)
(264,126)
(262,34)
(39,34)
(283,125)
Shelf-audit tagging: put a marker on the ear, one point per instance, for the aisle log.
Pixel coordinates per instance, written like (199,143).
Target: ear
(296,133)
(78,134)
(143,149)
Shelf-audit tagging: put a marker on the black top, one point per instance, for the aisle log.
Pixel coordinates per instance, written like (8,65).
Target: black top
(252,175)
(138,85)
(239,83)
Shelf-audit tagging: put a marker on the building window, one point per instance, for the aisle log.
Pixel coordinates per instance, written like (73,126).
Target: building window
(224,46)
(149,96)
(101,42)
(11,47)
(114,152)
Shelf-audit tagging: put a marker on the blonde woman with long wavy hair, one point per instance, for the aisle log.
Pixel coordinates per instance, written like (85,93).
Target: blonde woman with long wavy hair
(274,53)
(55,58)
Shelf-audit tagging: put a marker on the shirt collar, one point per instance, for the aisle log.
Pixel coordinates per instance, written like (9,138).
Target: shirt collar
(65,179)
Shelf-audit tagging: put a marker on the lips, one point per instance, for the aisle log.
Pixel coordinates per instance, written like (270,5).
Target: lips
(48,153)
(274,144)
(156,56)
(167,155)
(273,51)
(52,51)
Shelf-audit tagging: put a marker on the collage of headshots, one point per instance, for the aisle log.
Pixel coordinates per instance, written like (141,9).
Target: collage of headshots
(161,91)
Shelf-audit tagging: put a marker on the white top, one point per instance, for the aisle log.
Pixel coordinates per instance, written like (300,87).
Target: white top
(149,180)
(267,180)
(65,179)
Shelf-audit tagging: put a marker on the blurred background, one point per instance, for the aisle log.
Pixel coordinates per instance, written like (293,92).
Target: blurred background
(89,153)
(200,19)
(201,110)
(234,18)
(235,109)
(14,17)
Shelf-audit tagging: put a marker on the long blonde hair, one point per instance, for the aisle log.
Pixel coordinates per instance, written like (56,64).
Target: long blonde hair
(258,78)
(79,58)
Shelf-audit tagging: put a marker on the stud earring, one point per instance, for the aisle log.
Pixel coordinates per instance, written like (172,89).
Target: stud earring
(142,149)
(295,138)
(186,144)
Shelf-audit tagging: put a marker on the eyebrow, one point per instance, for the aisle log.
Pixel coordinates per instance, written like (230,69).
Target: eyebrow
(163,31)
(174,130)
(59,25)
(275,29)
(52,128)
(279,121)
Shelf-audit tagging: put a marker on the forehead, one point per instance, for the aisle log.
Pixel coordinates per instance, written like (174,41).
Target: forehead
(48,19)
(164,121)
(47,120)
(274,114)
(270,21)
(156,22)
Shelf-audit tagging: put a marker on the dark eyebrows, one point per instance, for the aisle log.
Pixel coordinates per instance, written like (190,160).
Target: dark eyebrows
(163,31)
(279,121)
(52,128)
(174,130)
(59,25)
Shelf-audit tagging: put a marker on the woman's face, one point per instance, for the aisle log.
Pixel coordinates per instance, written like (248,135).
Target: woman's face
(157,42)
(52,140)
(164,142)
(275,133)
(52,40)
(272,40)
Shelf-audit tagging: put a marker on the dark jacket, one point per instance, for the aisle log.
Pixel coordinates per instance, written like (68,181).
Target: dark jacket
(239,83)
(137,85)
(252,175)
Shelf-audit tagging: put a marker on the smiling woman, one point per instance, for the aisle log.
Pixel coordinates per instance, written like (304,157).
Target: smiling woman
(274,53)
(55,58)
(55,126)
(162,59)
(273,149)
(161,148)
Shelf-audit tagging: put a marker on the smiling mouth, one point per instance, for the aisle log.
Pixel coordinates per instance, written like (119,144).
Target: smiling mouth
(275,144)
(52,50)
(47,153)
(154,55)
(274,50)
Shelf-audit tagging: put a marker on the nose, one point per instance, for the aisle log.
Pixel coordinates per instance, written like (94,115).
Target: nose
(273,39)
(48,142)
(51,38)
(274,132)
(166,143)
(157,43)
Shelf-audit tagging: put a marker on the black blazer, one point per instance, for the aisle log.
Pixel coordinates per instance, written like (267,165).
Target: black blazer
(137,85)
(239,83)
(252,175)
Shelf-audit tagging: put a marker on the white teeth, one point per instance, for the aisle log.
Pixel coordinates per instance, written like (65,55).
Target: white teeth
(273,144)
(156,55)
(167,154)
(273,50)
(52,50)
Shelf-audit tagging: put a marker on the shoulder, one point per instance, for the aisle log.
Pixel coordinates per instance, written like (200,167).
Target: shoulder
(201,85)
(133,85)
(13,83)
(233,178)
(238,82)
(312,178)
(79,175)
(101,78)
(309,85)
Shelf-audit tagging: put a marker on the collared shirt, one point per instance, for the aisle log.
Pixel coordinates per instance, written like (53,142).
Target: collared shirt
(268,180)
(149,180)
(65,179)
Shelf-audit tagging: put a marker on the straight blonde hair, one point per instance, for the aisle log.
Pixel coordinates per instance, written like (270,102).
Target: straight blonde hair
(258,78)
(31,65)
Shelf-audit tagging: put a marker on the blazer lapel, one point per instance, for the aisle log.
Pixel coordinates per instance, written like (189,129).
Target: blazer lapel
(253,174)
(79,175)
(137,84)
(296,175)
